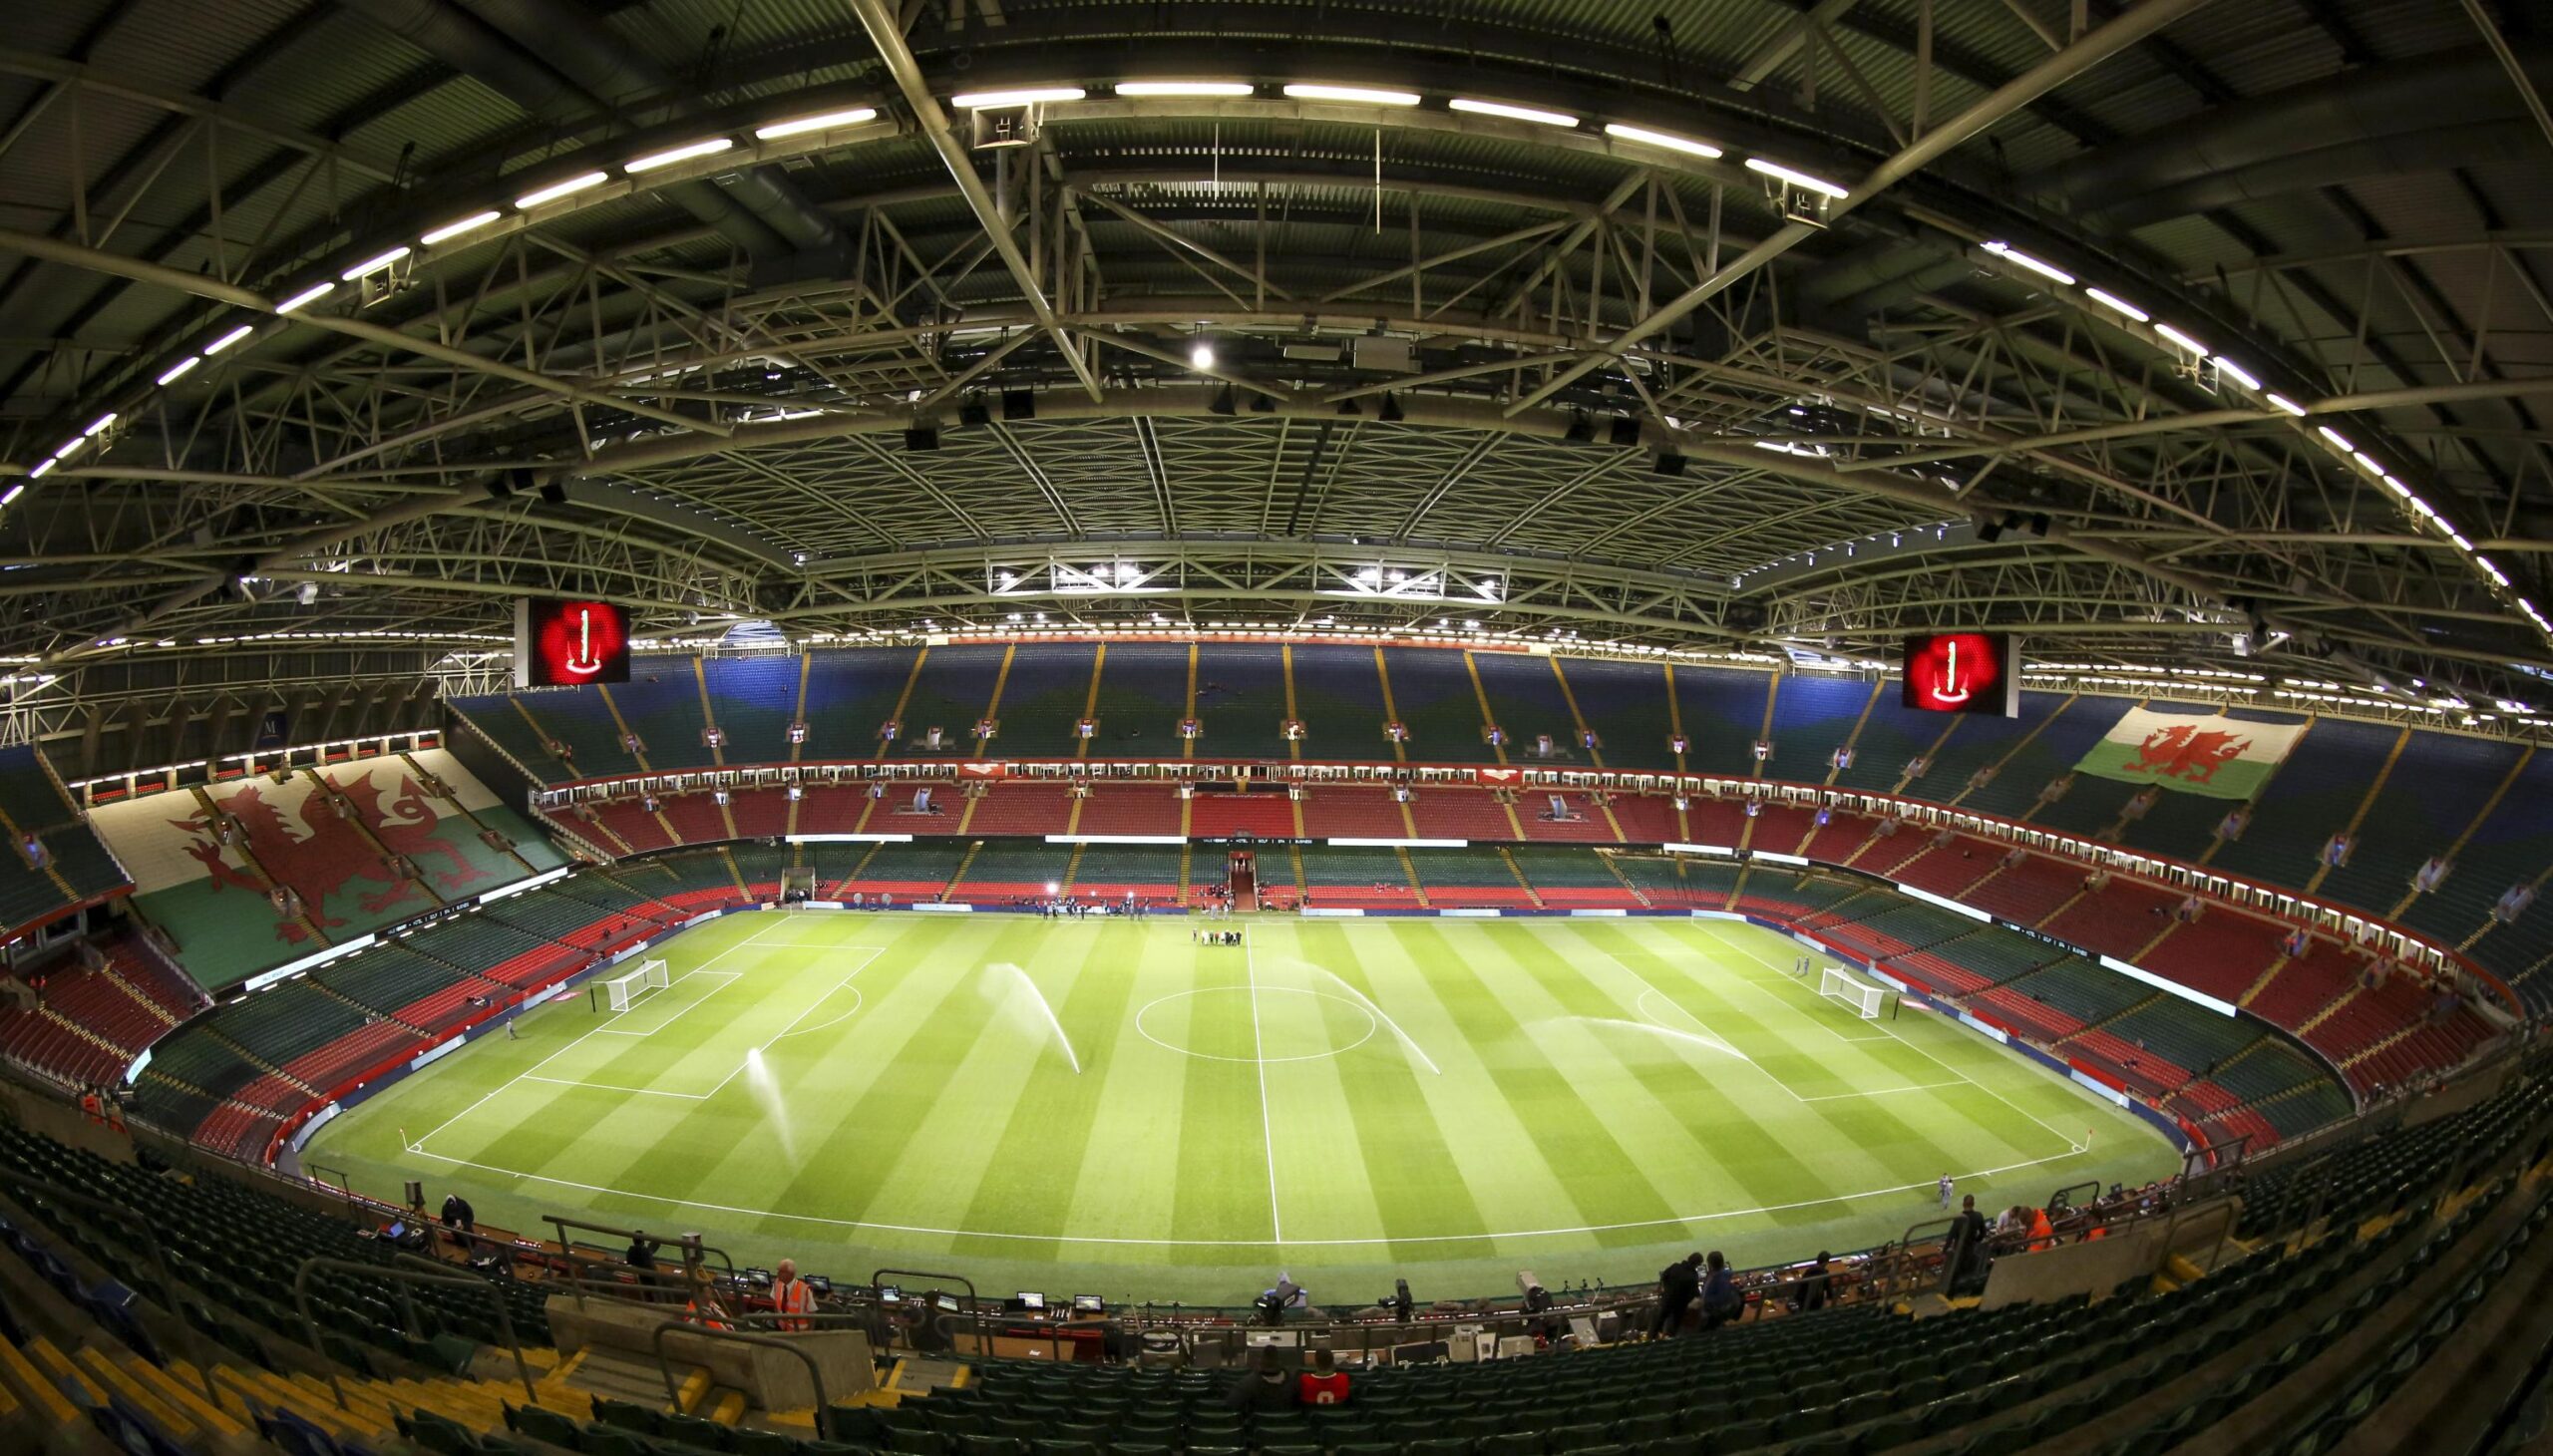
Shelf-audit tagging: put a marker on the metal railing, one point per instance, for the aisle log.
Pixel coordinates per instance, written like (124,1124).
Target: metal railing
(429,1272)
(673,1393)
(576,1254)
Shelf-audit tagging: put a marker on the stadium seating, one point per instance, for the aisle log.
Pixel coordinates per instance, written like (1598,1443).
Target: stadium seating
(2312,796)
(1263,815)
(1044,692)
(1722,712)
(1350,876)
(1358,811)
(1108,871)
(1338,694)
(1148,809)
(1472,878)
(2039,757)
(1011,869)
(952,688)
(1813,716)
(1625,704)
(754,700)
(1464,814)
(1240,700)
(847,696)
(1017,808)
(77,867)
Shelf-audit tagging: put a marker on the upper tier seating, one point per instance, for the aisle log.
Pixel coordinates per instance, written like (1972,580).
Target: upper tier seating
(1625,705)
(1240,700)
(2312,796)
(76,866)
(850,695)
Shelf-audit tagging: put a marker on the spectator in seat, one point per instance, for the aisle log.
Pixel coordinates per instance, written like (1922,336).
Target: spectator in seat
(1264,1385)
(1677,1286)
(1324,1384)
(1722,1302)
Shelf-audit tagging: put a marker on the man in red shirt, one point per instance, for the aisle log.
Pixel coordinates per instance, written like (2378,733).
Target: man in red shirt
(1324,1384)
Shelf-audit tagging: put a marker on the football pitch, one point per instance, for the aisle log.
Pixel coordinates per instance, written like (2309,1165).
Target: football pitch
(1104,1106)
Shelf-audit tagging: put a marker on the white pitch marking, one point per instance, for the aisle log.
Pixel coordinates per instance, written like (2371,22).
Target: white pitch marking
(612,1087)
(418,1145)
(1267,1130)
(1841,1198)
(725,977)
(1919,1051)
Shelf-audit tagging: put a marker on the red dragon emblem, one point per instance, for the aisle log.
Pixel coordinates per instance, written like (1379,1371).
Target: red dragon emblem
(2183,752)
(326,852)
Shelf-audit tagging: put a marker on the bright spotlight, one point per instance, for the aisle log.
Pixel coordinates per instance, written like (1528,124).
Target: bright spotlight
(1202,354)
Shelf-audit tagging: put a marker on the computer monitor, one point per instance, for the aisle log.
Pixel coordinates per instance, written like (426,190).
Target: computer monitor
(947,1303)
(1089,1304)
(889,1295)
(1030,1299)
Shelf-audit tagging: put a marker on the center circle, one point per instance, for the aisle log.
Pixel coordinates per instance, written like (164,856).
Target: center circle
(1253,991)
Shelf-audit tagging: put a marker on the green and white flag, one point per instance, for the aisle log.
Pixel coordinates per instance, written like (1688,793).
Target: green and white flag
(2218,756)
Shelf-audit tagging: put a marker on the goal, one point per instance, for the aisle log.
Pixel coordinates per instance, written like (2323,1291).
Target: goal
(1867,1001)
(622,991)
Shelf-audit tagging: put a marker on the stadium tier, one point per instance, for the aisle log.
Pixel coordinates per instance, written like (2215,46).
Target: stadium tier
(55,863)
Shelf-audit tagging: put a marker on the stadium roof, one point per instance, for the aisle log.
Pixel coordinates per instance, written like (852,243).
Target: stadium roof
(2169,333)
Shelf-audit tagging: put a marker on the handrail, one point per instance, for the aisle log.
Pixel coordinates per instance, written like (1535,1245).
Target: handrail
(880,1277)
(403,1277)
(673,1393)
(568,1247)
(150,1245)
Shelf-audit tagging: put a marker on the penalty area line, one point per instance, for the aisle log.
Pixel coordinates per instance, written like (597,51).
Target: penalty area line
(417,1147)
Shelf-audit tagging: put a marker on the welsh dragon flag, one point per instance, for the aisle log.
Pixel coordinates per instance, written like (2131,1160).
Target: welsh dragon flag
(2218,756)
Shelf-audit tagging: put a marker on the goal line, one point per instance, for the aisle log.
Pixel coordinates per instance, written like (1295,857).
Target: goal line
(620,992)
(1867,1001)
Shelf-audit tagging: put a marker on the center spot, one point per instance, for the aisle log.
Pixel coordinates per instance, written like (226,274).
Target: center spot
(1216,1023)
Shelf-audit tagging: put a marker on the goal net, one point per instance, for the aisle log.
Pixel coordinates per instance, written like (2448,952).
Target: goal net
(622,991)
(1867,1001)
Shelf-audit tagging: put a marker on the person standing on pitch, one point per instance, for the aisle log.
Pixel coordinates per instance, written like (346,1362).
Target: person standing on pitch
(1945,1192)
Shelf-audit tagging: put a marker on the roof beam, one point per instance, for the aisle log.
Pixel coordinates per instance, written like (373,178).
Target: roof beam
(885,32)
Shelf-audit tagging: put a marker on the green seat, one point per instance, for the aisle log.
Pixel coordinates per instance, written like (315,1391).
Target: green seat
(544,1425)
(625,1414)
(747,1443)
(1745,1435)
(694,1430)
(602,1440)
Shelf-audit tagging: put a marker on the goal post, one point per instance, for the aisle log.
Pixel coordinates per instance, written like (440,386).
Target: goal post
(620,992)
(1867,1001)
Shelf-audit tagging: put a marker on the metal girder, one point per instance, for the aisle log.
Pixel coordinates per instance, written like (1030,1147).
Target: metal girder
(885,32)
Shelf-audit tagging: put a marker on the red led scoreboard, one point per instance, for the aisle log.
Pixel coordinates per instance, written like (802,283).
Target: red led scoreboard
(561,643)
(1962,672)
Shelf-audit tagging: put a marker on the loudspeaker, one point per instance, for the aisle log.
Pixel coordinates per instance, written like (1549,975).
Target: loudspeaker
(555,492)
(416,1193)
(1581,430)
(1391,412)
(975,413)
(1625,432)
(920,438)
(1668,463)
(1019,404)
